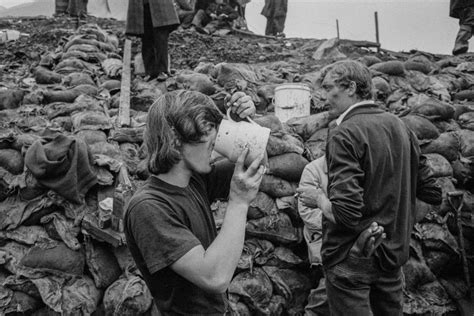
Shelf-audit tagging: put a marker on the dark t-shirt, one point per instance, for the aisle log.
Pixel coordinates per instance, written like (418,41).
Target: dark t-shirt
(162,223)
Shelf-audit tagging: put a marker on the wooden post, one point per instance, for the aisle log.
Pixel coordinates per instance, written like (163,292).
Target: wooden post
(377,40)
(337,27)
(124,107)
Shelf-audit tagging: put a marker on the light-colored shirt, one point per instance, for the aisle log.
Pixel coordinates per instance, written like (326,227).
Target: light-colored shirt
(343,115)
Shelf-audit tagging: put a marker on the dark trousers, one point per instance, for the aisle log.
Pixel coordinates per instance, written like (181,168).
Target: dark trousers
(275,25)
(357,286)
(155,45)
(466,16)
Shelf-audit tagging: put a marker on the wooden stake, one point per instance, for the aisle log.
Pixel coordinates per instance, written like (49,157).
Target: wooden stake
(124,107)
(337,27)
(377,40)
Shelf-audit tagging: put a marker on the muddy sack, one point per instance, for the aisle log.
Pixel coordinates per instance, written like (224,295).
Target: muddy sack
(275,228)
(291,285)
(277,187)
(421,126)
(284,258)
(255,252)
(45,76)
(127,296)
(90,120)
(190,80)
(69,95)
(434,110)
(308,125)
(287,166)
(255,288)
(57,257)
(10,98)
(466,140)
(11,160)
(466,121)
(102,263)
(127,135)
(91,136)
(415,270)
(447,145)
(280,143)
(392,67)
(261,206)
(439,166)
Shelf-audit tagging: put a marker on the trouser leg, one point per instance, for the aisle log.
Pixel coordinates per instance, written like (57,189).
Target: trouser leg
(466,25)
(161,35)
(270,29)
(386,294)
(279,24)
(348,287)
(148,45)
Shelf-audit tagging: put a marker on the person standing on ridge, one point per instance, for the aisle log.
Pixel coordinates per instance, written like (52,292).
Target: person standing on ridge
(464,11)
(275,12)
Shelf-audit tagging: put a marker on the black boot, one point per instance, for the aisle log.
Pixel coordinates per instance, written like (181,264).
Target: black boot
(462,40)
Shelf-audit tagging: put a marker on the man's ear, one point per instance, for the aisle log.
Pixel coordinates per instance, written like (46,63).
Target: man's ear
(352,88)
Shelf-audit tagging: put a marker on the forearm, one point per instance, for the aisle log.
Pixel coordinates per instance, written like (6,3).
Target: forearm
(223,254)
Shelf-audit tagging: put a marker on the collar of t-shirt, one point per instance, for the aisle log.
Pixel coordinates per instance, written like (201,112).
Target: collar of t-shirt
(344,114)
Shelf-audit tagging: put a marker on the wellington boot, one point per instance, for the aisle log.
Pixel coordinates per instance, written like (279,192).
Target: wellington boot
(462,40)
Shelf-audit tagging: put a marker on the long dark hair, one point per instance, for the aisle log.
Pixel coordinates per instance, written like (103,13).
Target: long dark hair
(174,118)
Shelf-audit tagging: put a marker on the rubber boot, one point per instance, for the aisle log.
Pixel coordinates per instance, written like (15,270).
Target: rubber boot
(462,40)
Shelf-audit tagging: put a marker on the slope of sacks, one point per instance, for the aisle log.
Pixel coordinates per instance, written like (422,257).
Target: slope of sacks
(75,94)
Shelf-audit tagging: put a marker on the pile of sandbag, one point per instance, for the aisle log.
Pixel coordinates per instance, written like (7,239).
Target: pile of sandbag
(53,258)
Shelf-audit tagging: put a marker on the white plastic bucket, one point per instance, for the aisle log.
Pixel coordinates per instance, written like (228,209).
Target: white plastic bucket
(292,100)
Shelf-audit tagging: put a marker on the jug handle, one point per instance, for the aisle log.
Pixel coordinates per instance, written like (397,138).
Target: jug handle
(247,118)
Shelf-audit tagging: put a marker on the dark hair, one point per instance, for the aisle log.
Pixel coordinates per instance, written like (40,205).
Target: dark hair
(350,70)
(174,118)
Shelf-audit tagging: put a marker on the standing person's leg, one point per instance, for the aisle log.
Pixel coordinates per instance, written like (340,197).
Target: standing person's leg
(386,296)
(280,24)
(466,28)
(148,44)
(348,286)
(270,29)
(161,35)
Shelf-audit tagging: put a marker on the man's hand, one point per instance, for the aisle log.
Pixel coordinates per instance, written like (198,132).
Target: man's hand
(245,183)
(368,241)
(242,105)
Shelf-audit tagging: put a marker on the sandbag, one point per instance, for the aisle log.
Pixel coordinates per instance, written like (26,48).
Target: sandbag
(464,95)
(107,149)
(370,60)
(11,98)
(45,76)
(28,235)
(421,126)
(284,258)
(130,156)
(466,120)
(446,184)
(291,285)
(429,299)
(127,296)
(434,110)
(288,166)
(77,78)
(62,229)
(392,67)
(127,135)
(280,143)
(91,120)
(422,209)
(277,187)
(255,252)
(275,228)
(308,125)
(415,270)
(56,257)
(447,145)
(463,172)
(255,288)
(381,88)
(439,166)
(466,141)
(16,302)
(418,66)
(11,253)
(261,206)
(69,95)
(102,263)
(91,136)
(270,121)
(12,161)
(190,80)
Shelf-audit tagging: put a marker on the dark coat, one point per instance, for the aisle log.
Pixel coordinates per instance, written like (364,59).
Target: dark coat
(455,6)
(163,13)
(275,8)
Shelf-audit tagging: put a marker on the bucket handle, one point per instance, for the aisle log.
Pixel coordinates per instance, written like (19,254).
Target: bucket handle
(232,120)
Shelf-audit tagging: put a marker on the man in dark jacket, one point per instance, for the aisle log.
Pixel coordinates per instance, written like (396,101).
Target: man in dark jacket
(376,172)
(275,12)
(464,11)
(153,21)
